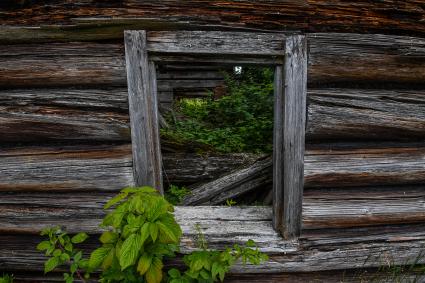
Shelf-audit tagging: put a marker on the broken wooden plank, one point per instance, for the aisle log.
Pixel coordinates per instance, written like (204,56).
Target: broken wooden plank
(231,185)
(143,109)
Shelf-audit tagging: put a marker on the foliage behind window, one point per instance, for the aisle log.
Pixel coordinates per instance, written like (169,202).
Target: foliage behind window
(241,121)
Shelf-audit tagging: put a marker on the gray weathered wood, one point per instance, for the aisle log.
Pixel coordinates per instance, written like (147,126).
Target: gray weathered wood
(230,185)
(223,226)
(289,139)
(143,108)
(215,42)
(400,60)
(101,114)
(109,168)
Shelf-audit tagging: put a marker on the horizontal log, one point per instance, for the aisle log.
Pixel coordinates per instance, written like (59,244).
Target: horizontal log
(109,19)
(322,209)
(102,114)
(223,226)
(352,276)
(100,168)
(400,60)
(215,42)
(109,167)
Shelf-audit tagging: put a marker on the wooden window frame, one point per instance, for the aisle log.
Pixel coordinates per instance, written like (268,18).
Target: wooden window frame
(289,56)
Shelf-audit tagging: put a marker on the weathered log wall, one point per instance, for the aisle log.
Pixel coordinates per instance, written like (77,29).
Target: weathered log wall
(64,135)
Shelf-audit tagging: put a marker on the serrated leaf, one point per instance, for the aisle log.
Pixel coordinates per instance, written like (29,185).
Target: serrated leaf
(79,238)
(43,245)
(115,200)
(153,231)
(154,273)
(51,264)
(129,251)
(144,263)
(144,232)
(107,262)
(97,257)
(167,234)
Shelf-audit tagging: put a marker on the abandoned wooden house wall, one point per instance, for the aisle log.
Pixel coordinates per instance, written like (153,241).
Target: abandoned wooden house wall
(65,141)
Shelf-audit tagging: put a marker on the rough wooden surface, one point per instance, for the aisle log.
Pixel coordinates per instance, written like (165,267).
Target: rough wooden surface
(400,60)
(216,42)
(289,138)
(102,114)
(222,226)
(143,109)
(108,167)
(231,185)
(111,18)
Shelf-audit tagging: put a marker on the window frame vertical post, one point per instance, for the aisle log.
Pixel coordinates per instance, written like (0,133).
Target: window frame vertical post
(289,138)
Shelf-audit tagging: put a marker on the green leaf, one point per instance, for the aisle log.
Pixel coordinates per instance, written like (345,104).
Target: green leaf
(154,273)
(79,238)
(97,257)
(43,245)
(57,252)
(167,234)
(214,269)
(51,264)
(153,231)
(116,199)
(64,257)
(221,273)
(204,274)
(129,251)
(174,273)
(107,262)
(74,267)
(144,263)
(108,237)
(144,232)
(78,256)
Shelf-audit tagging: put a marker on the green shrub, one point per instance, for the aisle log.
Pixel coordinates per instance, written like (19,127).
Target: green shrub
(141,232)
(241,121)
(175,194)
(6,278)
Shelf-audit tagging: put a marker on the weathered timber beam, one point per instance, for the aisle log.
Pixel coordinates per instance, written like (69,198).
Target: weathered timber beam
(223,226)
(110,19)
(110,168)
(231,185)
(400,60)
(102,114)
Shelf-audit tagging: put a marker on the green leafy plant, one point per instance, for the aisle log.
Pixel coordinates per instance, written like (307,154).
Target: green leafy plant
(175,194)
(140,232)
(230,202)
(60,250)
(6,278)
(241,121)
